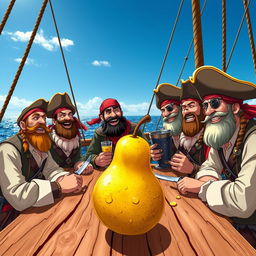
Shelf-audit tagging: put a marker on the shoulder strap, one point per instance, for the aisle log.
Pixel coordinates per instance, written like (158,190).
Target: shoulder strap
(39,171)
(188,155)
(229,172)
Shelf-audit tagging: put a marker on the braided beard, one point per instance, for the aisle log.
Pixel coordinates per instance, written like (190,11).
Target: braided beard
(40,141)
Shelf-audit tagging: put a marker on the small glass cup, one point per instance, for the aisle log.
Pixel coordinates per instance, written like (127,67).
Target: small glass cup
(106,146)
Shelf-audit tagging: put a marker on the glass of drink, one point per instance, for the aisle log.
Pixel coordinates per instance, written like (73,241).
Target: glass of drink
(106,146)
(164,142)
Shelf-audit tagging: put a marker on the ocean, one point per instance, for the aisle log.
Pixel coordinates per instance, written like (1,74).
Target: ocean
(9,128)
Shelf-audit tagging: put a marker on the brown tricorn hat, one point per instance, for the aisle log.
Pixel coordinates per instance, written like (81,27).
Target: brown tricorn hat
(38,105)
(167,91)
(188,91)
(59,100)
(209,80)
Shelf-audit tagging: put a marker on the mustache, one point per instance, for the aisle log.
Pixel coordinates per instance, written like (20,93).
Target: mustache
(215,114)
(35,127)
(112,118)
(66,121)
(170,116)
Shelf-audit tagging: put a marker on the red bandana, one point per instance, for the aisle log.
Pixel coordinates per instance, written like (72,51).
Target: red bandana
(105,104)
(249,110)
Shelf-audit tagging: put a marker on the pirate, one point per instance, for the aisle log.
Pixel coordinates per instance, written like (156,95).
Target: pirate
(230,131)
(29,177)
(168,102)
(113,126)
(65,136)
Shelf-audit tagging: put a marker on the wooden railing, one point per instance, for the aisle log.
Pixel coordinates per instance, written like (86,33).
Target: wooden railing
(86,142)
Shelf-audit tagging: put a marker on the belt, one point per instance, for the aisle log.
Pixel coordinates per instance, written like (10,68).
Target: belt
(4,205)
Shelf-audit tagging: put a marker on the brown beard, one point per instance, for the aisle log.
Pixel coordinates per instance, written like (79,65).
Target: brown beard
(192,128)
(40,141)
(66,133)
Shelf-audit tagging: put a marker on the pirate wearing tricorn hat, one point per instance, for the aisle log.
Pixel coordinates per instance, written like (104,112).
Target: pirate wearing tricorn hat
(113,126)
(29,177)
(192,150)
(168,102)
(231,133)
(65,136)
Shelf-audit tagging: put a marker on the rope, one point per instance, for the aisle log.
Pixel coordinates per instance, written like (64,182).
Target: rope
(224,47)
(165,57)
(189,49)
(32,37)
(237,35)
(198,42)
(65,65)
(186,58)
(6,15)
(249,25)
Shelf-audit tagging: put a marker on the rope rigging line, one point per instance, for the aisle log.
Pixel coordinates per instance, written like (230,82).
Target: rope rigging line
(249,25)
(165,57)
(185,60)
(197,32)
(224,35)
(24,58)
(6,15)
(65,65)
(237,35)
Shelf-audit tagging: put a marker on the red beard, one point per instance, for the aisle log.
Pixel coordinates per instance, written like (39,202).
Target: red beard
(40,141)
(192,128)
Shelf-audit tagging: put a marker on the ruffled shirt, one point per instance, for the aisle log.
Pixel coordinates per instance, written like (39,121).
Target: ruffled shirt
(67,145)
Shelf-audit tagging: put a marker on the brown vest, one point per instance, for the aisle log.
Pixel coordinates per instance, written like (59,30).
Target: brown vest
(29,165)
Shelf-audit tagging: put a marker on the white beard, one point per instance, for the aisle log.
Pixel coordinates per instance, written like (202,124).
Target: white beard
(218,134)
(66,145)
(175,125)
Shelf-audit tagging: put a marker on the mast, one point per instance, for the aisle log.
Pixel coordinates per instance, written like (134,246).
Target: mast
(249,25)
(197,32)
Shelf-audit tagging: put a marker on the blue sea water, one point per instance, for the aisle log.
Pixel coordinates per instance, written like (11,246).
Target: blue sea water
(9,128)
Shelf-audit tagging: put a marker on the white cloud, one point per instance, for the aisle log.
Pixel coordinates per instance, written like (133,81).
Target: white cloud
(251,102)
(29,61)
(89,108)
(100,63)
(40,39)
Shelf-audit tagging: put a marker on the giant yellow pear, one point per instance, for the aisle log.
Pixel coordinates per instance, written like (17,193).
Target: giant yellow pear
(127,197)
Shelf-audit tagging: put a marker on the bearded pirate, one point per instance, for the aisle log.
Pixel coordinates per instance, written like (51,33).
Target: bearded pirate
(168,101)
(28,174)
(65,136)
(231,133)
(113,126)
(192,150)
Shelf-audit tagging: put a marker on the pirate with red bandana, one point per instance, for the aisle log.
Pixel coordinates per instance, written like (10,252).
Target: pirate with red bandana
(65,136)
(168,101)
(29,177)
(192,151)
(230,132)
(113,126)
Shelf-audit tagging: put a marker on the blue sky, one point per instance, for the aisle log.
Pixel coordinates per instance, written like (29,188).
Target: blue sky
(113,49)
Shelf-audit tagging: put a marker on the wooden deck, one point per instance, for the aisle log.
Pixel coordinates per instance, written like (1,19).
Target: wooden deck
(70,227)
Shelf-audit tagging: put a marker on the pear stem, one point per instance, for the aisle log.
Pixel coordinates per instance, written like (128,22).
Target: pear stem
(143,120)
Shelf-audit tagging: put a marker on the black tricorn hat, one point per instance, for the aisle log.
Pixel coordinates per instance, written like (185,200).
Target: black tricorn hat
(166,91)
(188,91)
(59,100)
(209,80)
(38,104)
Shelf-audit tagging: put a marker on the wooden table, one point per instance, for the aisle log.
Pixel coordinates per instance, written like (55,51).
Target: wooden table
(70,227)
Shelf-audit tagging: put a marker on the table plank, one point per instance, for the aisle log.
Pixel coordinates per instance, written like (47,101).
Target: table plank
(70,227)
